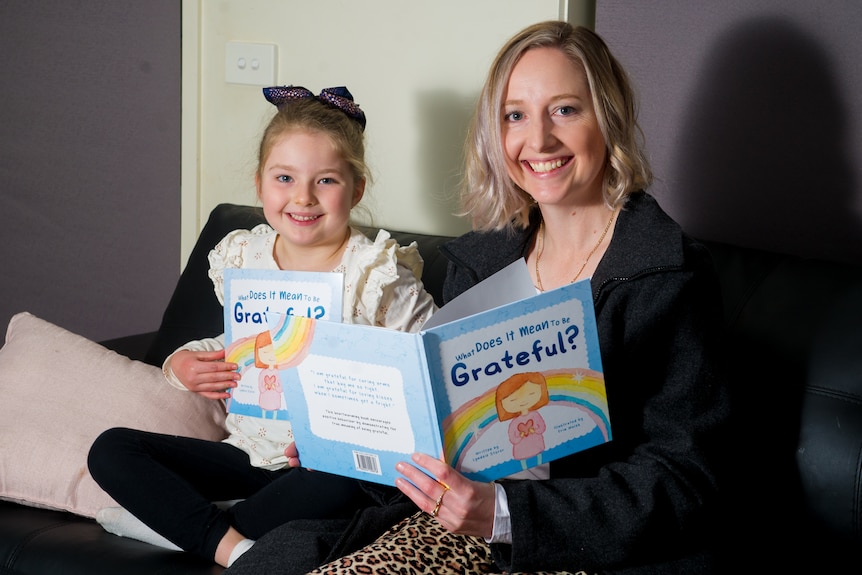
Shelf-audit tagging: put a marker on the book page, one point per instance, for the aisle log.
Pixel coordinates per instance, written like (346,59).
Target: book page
(251,296)
(512,283)
(519,385)
(357,396)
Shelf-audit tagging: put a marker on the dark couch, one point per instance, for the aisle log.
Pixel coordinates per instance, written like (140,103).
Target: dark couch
(796,332)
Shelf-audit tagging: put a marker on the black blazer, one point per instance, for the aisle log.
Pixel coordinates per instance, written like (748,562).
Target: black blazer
(647,496)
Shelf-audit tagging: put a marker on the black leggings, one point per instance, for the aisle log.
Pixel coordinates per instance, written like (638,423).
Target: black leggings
(171,482)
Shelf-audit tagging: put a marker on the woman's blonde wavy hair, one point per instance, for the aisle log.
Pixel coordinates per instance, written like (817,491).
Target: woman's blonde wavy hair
(488,195)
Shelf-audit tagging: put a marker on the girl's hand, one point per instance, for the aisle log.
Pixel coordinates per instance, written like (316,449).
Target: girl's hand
(205,372)
(467,507)
(292,455)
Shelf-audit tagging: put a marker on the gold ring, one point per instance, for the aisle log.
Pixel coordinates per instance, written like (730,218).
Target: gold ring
(439,502)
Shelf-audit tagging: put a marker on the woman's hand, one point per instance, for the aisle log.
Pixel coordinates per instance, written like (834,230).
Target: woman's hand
(465,507)
(205,372)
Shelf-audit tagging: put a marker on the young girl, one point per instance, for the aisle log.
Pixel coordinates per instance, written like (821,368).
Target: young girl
(311,173)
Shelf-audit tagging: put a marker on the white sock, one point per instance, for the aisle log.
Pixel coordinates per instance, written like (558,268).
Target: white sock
(238,550)
(120,522)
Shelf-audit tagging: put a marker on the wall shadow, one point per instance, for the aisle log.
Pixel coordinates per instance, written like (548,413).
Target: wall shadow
(763,160)
(443,120)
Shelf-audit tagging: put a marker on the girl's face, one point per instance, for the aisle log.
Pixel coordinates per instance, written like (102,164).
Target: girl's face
(554,148)
(307,190)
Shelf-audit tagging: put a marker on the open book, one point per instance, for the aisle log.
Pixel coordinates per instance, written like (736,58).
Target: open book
(493,393)
(250,295)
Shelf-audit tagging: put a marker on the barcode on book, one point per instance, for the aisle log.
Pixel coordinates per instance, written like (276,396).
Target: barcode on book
(367,462)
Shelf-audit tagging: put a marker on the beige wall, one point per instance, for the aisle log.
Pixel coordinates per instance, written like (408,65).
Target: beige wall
(414,67)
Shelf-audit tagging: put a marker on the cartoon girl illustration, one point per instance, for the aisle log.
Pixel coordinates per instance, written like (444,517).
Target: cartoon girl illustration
(519,398)
(268,381)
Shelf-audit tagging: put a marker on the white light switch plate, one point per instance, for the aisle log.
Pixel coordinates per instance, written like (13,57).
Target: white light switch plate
(246,63)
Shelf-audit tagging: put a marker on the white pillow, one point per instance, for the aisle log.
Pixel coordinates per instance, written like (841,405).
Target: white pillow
(58,391)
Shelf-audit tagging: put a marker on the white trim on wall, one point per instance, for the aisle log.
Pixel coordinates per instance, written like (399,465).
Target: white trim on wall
(190,193)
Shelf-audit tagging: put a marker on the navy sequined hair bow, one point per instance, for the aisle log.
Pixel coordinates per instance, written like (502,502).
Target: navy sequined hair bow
(339,97)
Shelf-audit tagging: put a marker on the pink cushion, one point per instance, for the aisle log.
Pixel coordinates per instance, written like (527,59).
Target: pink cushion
(58,391)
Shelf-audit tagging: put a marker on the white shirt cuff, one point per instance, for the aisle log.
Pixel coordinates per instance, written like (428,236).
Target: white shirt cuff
(502,520)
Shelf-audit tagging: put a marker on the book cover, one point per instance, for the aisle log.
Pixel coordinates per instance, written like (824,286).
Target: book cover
(250,296)
(493,393)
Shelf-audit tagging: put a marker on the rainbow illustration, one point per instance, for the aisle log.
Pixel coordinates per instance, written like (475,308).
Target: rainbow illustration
(581,388)
(291,339)
(241,352)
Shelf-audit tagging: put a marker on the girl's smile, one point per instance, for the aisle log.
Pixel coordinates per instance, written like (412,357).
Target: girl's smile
(307,190)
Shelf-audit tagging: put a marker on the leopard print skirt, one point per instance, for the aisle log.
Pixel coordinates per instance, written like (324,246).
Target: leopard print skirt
(419,545)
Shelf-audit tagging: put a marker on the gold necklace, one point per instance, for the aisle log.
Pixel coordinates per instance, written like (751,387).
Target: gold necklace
(541,247)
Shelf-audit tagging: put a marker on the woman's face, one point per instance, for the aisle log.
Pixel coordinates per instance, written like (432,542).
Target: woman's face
(554,148)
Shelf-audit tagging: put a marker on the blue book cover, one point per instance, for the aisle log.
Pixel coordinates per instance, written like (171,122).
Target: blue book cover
(493,393)
(250,297)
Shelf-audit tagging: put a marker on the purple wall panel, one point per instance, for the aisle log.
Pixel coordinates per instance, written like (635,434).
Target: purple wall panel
(90,162)
(752,116)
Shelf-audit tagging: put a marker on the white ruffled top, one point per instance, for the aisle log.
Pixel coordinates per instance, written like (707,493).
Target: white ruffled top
(382,287)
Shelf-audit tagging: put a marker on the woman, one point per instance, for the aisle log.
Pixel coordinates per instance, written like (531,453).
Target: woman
(555,174)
